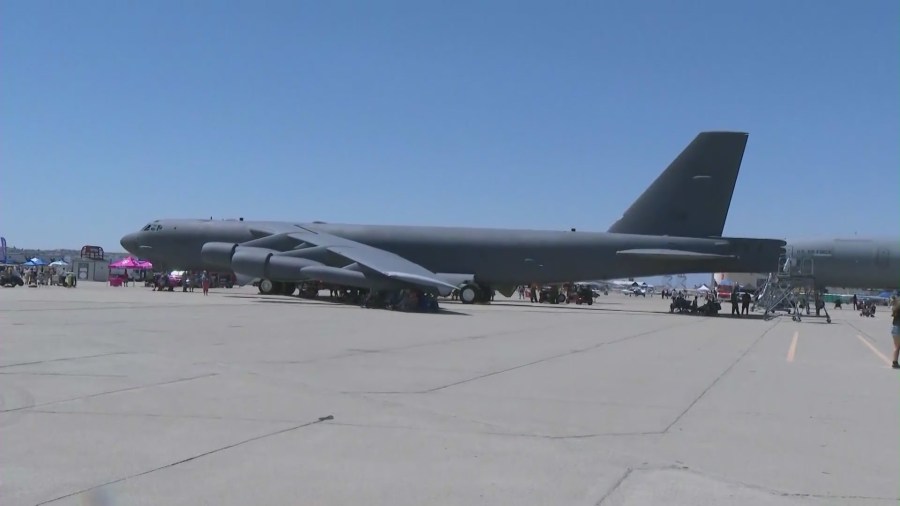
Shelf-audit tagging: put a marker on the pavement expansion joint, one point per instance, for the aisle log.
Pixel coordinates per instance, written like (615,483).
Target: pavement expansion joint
(615,485)
(534,362)
(195,457)
(720,376)
(108,392)
(164,415)
(71,374)
(752,486)
(498,433)
(61,359)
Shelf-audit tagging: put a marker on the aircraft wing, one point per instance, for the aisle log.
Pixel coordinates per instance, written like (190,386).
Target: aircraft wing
(383,262)
(670,254)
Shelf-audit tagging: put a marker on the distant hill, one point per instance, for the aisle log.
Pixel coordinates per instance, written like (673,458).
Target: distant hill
(21,255)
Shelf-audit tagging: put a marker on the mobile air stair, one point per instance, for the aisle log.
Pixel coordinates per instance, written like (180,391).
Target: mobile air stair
(792,288)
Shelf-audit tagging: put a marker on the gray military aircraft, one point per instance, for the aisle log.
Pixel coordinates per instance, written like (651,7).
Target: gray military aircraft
(675,226)
(847,263)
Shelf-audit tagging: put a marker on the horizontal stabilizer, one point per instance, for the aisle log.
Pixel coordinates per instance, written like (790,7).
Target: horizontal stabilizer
(670,254)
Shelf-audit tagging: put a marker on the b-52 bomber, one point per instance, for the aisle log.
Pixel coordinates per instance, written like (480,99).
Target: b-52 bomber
(675,226)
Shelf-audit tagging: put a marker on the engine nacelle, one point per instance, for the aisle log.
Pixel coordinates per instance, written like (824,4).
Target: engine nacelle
(268,264)
(217,255)
(284,268)
(251,261)
(337,276)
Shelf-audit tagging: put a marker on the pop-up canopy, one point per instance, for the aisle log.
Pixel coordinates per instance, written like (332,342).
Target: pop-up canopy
(131,263)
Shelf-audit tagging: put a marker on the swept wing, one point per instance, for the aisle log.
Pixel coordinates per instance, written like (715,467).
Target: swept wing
(378,260)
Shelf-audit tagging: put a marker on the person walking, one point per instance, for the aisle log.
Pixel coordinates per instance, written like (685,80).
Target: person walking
(895,331)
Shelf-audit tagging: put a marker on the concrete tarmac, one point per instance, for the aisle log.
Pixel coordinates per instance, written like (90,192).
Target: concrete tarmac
(128,396)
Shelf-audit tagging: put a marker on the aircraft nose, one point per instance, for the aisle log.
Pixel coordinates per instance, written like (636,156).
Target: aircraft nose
(130,243)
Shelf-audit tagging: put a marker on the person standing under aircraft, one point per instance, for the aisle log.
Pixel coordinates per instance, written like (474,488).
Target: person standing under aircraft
(745,304)
(734,302)
(204,281)
(895,331)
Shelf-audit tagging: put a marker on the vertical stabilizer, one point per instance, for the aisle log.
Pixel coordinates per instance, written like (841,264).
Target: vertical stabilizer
(692,196)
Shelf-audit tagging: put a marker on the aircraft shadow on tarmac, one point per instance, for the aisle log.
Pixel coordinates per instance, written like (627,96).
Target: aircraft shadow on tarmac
(325,302)
(520,307)
(598,307)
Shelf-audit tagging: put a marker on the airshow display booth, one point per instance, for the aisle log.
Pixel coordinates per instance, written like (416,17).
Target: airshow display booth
(91,266)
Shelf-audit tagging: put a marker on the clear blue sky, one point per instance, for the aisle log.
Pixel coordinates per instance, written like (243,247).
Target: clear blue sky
(449,113)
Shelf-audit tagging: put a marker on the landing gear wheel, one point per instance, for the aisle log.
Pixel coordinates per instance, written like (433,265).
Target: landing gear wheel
(288,289)
(469,294)
(266,286)
(560,299)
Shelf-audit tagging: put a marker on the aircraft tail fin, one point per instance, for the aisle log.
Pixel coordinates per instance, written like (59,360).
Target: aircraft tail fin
(692,196)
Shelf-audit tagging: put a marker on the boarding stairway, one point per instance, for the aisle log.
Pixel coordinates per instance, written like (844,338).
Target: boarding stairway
(786,289)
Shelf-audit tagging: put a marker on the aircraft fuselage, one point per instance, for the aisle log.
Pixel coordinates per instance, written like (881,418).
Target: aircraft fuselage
(850,263)
(492,256)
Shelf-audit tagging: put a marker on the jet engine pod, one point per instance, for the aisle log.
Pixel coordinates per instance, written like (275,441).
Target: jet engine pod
(251,261)
(285,268)
(337,276)
(217,255)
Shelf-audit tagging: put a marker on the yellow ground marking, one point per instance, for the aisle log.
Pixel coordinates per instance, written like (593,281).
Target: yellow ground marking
(792,351)
(875,350)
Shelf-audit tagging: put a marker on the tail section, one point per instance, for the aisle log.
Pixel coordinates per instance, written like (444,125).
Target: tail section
(692,196)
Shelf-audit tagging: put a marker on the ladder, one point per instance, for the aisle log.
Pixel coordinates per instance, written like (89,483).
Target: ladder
(773,293)
(794,281)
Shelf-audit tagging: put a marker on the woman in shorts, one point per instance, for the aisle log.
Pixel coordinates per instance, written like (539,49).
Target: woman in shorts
(895,331)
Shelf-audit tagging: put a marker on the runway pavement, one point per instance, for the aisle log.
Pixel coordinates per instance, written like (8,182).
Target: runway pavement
(127,396)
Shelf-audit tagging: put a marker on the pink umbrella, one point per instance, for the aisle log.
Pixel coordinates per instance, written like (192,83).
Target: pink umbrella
(131,263)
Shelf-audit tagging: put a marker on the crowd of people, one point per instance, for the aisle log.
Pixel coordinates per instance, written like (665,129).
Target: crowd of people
(162,282)
(36,276)
(680,303)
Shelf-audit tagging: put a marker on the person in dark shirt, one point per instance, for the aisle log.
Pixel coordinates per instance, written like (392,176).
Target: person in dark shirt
(745,303)
(895,331)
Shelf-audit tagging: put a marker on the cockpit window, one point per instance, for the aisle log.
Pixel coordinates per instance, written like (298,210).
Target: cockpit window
(146,228)
(152,227)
